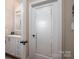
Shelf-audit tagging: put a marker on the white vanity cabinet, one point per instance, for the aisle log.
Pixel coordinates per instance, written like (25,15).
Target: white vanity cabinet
(7,45)
(13,45)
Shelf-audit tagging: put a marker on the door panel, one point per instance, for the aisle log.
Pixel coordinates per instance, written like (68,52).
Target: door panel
(43,31)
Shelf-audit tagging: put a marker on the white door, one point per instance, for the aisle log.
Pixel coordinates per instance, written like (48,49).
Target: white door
(45,35)
(42,31)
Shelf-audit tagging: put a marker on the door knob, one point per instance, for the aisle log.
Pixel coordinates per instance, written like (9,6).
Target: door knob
(23,42)
(33,35)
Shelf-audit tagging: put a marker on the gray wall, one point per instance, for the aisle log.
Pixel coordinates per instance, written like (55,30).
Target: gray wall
(68,34)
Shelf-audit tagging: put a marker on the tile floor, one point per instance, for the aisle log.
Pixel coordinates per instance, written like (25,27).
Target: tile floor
(8,58)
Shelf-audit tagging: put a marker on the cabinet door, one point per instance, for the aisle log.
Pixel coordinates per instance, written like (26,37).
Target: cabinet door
(18,47)
(7,45)
(12,46)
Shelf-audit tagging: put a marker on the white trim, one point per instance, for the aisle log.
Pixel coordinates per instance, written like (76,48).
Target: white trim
(61,19)
(45,5)
(35,2)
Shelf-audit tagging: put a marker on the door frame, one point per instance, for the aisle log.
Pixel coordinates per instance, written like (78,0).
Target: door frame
(60,3)
(24,28)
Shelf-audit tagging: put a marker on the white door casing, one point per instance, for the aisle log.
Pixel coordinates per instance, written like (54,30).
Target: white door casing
(24,29)
(46,24)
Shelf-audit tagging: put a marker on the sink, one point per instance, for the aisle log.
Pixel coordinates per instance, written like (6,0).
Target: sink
(15,36)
